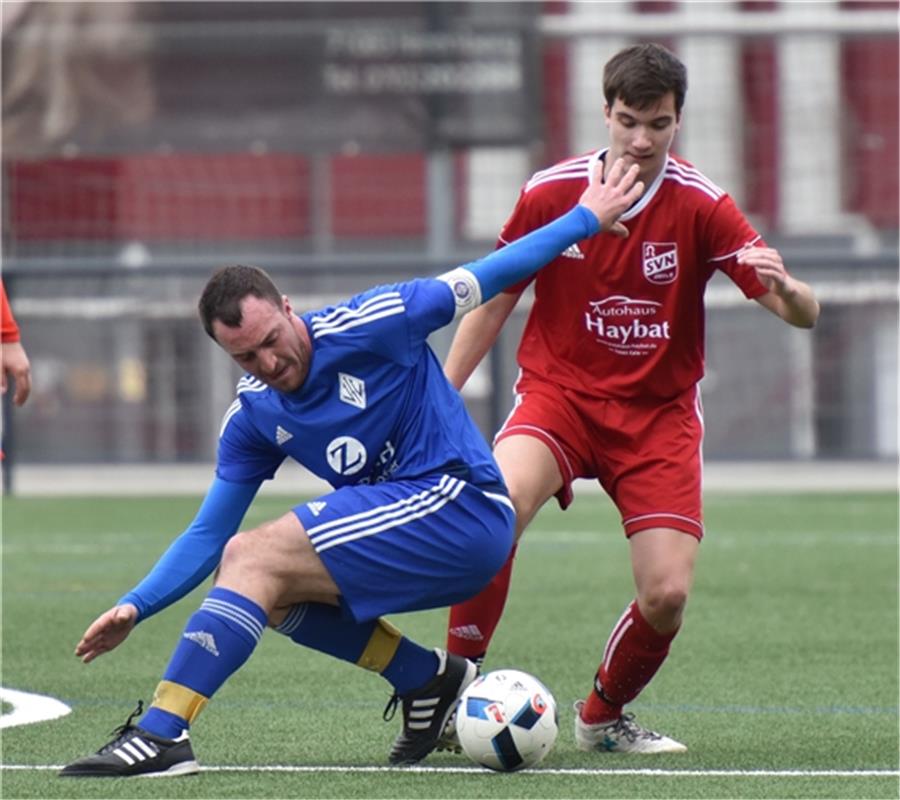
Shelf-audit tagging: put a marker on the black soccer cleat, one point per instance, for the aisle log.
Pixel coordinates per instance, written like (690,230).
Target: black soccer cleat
(449,741)
(136,752)
(427,710)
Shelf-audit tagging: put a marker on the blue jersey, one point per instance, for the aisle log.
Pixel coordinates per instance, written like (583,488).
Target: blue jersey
(376,409)
(375,405)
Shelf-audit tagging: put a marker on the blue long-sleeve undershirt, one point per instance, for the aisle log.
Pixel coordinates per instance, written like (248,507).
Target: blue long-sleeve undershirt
(527,255)
(196,552)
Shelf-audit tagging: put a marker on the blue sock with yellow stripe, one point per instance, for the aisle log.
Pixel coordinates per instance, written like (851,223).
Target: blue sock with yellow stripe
(375,645)
(217,640)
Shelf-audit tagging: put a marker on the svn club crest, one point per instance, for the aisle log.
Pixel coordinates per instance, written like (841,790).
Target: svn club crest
(660,261)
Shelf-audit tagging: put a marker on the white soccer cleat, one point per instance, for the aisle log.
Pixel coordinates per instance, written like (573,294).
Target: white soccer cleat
(449,741)
(623,735)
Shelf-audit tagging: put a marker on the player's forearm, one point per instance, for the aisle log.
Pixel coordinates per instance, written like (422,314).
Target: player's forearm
(793,301)
(799,306)
(193,556)
(478,281)
(180,570)
(599,208)
(525,256)
(475,335)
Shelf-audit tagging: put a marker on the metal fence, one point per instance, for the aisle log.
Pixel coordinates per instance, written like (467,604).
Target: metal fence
(147,143)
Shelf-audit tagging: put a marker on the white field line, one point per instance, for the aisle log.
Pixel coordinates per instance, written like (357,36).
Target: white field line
(574,771)
(29,707)
(666,773)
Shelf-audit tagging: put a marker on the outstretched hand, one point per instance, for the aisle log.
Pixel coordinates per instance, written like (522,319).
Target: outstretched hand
(106,632)
(769,268)
(611,198)
(17,368)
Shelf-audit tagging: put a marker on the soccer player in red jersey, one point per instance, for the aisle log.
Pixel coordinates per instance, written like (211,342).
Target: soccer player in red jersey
(15,361)
(610,361)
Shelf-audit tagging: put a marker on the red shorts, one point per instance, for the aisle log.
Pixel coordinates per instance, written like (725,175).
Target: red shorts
(647,455)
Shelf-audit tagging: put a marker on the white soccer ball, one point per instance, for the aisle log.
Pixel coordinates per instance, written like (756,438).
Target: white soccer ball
(506,720)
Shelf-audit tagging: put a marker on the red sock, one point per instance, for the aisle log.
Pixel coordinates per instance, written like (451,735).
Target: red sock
(472,623)
(633,654)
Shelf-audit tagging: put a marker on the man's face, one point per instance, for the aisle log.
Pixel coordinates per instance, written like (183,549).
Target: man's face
(642,137)
(270,343)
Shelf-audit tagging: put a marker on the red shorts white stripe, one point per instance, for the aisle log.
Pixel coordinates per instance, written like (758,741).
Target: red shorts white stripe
(646,454)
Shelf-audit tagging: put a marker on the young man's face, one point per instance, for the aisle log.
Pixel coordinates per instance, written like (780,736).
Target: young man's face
(269,343)
(642,137)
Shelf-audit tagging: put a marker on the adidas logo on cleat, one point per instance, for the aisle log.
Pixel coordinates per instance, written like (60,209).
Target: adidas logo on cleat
(135,752)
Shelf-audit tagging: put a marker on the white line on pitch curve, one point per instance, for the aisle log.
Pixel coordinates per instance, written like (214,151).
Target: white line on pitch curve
(29,707)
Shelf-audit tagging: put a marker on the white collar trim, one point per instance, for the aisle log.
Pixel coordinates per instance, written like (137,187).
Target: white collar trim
(649,192)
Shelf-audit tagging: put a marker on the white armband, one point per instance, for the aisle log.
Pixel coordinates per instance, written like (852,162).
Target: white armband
(465,287)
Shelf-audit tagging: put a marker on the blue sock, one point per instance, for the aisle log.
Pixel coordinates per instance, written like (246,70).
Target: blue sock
(411,667)
(375,645)
(217,640)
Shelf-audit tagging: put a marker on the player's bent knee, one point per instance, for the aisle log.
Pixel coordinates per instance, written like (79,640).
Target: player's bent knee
(665,601)
(237,548)
(256,549)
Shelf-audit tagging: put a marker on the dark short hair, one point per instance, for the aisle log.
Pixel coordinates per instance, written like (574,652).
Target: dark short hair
(641,75)
(225,291)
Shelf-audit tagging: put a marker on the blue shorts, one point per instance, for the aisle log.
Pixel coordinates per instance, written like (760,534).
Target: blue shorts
(409,545)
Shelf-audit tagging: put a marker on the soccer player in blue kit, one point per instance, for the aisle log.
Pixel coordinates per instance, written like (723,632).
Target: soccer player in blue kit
(419,516)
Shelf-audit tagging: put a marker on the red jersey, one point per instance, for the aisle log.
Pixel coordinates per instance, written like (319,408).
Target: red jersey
(8,327)
(625,317)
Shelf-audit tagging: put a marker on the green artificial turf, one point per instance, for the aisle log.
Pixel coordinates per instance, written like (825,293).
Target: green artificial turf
(784,677)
